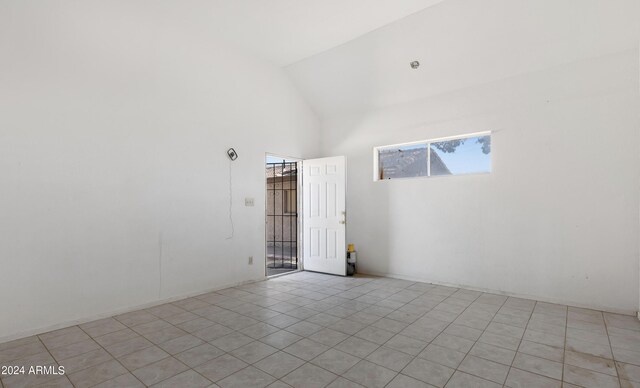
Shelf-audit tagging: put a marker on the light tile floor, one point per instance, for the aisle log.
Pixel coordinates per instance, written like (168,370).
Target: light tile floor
(313,330)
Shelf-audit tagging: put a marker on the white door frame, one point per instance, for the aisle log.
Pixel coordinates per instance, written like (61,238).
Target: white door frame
(300,242)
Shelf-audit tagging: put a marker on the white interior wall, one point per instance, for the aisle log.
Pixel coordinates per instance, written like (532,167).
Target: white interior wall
(557,217)
(114,178)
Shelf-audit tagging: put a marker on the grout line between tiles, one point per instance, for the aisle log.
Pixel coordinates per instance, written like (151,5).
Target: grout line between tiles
(613,357)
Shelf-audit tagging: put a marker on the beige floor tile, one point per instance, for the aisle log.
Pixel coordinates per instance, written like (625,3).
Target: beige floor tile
(504,329)
(428,372)
(538,365)
(60,332)
(309,376)
(259,330)
(403,381)
(86,360)
(195,325)
(180,344)
(19,342)
(116,337)
(406,344)
(151,327)
(190,304)
(64,340)
(220,367)
(306,349)
(588,336)
(213,332)
(232,341)
(328,337)
(127,380)
(485,369)
(181,318)
(629,372)
(588,379)
(335,361)
(463,332)
(122,349)
(323,319)
(375,335)
(628,356)
(357,347)
(465,380)
(165,335)
(512,320)
(598,350)
(279,364)
(159,371)
(522,379)
(501,341)
(42,358)
(135,318)
(552,353)
(341,382)
(249,377)
(441,355)
(335,323)
(74,349)
(165,310)
(21,351)
(142,357)
(253,352)
(452,342)
(97,374)
(102,326)
(587,361)
(493,353)
(369,374)
(280,339)
(199,355)
(543,338)
(347,327)
(303,328)
(390,359)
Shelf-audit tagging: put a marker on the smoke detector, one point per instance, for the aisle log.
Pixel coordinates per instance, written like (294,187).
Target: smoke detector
(414,64)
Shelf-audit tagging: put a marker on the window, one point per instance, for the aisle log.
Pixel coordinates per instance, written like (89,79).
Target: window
(469,154)
(403,162)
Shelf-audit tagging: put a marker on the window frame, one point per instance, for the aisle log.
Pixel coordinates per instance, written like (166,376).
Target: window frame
(427,143)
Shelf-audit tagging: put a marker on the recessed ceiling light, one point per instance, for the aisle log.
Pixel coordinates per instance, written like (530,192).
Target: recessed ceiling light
(414,64)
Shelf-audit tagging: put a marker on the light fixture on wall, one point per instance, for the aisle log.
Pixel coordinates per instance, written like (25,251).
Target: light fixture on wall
(233,155)
(414,64)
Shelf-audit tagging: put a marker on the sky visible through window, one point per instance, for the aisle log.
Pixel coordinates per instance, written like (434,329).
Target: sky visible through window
(466,159)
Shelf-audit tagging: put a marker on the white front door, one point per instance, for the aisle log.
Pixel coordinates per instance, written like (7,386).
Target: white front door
(324,215)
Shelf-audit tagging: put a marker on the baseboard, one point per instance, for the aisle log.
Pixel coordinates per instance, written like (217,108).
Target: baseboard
(108,314)
(506,293)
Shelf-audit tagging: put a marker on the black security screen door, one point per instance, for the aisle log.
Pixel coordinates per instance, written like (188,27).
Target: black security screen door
(282,217)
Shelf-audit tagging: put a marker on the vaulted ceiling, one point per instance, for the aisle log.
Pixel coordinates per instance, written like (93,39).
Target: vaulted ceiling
(462,43)
(284,31)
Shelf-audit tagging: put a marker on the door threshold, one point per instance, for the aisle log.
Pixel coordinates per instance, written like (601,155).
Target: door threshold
(284,274)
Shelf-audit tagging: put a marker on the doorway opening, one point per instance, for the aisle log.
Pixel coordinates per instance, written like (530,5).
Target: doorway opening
(282,204)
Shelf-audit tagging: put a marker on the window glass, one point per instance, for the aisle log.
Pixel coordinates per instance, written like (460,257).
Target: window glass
(461,156)
(402,162)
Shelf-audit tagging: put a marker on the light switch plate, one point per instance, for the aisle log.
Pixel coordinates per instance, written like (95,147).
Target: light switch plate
(249,202)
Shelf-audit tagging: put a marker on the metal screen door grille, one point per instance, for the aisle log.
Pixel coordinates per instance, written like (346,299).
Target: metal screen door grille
(282,217)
